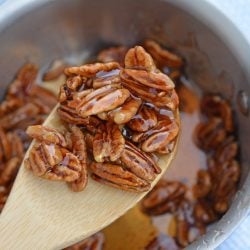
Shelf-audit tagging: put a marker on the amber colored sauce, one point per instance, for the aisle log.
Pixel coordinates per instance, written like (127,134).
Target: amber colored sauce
(135,230)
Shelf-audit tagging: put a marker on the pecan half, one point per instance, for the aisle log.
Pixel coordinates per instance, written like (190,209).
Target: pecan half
(227,151)
(100,100)
(203,212)
(157,96)
(139,163)
(203,184)
(209,135)
(108,143)
(60,166)
(9,171)
(189,101)
(162,57)
(147,80)
(11,120)
(72,84)
(214,105)
(123,114)
(119,177)
(89,70)
(9,105)
(24,81)
(46,134)
(144,120)
(225,186)
(187,228)
(161,135)
(113,54)
(71,116)
(164,197)
(106,80)
(75,82)
(94,242)
(182,229)
(138,58)
(80,150)
(44,97)
(17,147)
(5,146)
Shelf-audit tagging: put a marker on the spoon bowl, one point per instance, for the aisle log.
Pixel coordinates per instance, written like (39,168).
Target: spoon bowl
(45,214)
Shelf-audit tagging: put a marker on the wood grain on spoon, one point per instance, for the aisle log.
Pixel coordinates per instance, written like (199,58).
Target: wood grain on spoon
(46,215)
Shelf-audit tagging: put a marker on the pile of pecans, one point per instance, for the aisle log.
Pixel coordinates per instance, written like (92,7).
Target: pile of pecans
(25,103)
(216,136)
(214,187)
(116,119)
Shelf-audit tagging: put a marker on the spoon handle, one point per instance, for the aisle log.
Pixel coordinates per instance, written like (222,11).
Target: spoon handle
(18,224)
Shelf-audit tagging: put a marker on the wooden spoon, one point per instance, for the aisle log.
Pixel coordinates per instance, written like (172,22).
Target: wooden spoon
(42,214)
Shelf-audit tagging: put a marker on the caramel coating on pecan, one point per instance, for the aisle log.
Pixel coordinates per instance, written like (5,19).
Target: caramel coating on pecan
(158,97)
(124,114)
(46,134)
(108,143)
(117,176)
(101,100)
(156,80)
(138,58)
(89,70)
(106,80)
(159,136)
(139,163)
(162,56)
(144,120)
(71,116)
